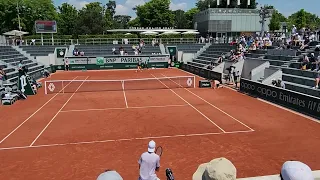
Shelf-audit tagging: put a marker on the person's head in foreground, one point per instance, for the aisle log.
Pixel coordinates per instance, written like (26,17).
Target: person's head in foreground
(109,175)
(217,169)
(295,170)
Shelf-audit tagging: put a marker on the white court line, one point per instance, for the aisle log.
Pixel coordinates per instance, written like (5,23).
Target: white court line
(138,107)
(124,139)
(57,113)
(33,113)
(124,94)
(268,102)
(213,106)
(191,105)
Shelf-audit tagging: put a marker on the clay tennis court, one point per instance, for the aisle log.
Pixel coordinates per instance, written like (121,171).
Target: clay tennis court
(83,131)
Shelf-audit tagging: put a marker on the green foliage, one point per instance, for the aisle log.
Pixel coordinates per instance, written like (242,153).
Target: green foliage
(180,19)
(155,13)
(121,21)
(67,16)
(189,16)
(275,21)
(304,19)
(134,23)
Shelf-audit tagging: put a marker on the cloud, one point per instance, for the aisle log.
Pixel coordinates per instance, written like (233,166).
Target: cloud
(182,6)
(134,3)
(79,4)
(122,10)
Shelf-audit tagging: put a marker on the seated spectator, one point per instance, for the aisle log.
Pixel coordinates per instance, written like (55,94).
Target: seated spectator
(217,169)
(278,83)
(125,53)
(109,175)
(317,79)
(121,50)
(304,63)
(2,76)
(81,53)
(75,52)
(313,61)
(114,51)
(295,170)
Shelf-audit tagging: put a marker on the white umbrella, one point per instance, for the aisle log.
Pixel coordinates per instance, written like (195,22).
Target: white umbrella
(127,34)
(191,32)
(170,32)
(149,33)
(15,33)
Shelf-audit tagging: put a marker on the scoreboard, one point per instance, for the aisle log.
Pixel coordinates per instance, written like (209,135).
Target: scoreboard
(46,26)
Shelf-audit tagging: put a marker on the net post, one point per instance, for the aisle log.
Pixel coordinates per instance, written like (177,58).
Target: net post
(45,87)
(122,83)
(62,88)
(194,81)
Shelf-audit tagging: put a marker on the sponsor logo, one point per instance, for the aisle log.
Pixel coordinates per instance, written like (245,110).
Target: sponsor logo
(111,60)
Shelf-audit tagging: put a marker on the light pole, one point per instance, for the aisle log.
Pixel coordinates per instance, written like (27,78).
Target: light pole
(264,13)
(18,16)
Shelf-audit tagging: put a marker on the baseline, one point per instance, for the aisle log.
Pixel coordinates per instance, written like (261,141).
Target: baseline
(214,106)
(190,104)
(34,113)
(126,139)
(57,113)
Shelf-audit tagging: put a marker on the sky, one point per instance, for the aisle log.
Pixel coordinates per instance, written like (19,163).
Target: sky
(124,7)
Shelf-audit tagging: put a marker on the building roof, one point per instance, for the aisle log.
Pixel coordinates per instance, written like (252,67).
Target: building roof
(139,29)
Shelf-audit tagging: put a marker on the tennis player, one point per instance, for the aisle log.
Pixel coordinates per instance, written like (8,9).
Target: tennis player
(149,162)
(146,64)
(139,65)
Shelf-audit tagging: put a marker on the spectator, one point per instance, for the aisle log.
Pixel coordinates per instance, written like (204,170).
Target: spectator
(217,169)
(20,66)
(313,62)
(304,63)
(2,76)
(109,175)
(295,170)
(149,162)
(66,64)
(121,50)
(33,42)
(125,53)
(317,79)
(81,53)
(75,52)
(113,51)
(46,73)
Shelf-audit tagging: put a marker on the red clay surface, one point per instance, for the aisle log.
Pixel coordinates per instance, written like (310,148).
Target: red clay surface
(192,125)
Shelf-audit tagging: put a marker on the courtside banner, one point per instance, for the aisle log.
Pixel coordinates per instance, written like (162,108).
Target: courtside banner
(205,73)
(300,102)
(117,59)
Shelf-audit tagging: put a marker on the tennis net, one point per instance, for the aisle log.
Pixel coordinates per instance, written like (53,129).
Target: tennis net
(72,86)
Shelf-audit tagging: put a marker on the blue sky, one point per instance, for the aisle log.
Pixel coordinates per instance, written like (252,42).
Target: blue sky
(124,7)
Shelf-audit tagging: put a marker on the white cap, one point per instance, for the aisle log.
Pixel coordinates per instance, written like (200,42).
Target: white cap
(296,170)
(151,146)
(217,169)
(109,175)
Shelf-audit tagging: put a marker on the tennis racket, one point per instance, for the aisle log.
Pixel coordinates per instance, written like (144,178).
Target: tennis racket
(159,151)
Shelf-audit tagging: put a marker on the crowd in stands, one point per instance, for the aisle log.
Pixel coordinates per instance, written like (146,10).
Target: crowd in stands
(216,169)
(76,52)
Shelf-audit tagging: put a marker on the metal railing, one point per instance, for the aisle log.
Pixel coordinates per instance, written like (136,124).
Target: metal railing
(100,41)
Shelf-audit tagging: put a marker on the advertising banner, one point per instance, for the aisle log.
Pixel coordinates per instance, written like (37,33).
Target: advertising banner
(300,102)
(117,59)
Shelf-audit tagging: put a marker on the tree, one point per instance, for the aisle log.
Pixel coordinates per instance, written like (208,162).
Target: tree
(180,19)
(275,21)
(67,17)
(91,19)
(155,13)
(29,11)
(189,16)
(121,21)
(134,23)
(111,7)
(304,19)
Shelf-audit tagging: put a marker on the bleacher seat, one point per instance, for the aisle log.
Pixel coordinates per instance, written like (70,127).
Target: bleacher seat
(106,50)
(188,48)
(39,50)
(9,60)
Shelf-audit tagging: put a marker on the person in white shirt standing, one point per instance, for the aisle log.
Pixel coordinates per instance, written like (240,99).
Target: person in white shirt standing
(149,162)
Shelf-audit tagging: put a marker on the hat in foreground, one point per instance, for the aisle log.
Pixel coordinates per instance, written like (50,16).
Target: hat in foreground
(109,175)
(296,170)
(217,169)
